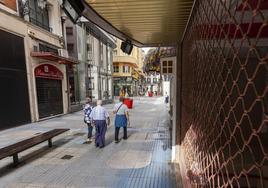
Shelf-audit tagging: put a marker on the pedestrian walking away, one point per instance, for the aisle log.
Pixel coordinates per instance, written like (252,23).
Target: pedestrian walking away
(121,118)
(87,111)
(166,98)
(101,120)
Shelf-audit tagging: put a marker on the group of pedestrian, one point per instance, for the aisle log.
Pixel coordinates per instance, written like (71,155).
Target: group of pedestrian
(99,118)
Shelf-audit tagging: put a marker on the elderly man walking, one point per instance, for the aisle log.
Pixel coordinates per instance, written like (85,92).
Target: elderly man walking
(99,115)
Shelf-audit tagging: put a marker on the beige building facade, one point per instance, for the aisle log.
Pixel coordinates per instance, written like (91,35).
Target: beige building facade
(42,53)
(127,70)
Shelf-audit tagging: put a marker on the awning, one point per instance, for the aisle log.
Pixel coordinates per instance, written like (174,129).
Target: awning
(53,57)
(146,23)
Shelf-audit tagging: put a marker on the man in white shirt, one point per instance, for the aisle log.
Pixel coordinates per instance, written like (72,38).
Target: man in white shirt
(99,115)
(121,118)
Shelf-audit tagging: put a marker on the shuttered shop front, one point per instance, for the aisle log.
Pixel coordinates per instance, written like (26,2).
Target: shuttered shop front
(14,97)
(49,90)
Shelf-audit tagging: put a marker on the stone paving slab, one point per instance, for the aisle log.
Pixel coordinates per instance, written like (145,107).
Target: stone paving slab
(141,161)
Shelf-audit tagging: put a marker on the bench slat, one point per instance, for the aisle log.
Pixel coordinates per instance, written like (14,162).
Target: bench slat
(30,142)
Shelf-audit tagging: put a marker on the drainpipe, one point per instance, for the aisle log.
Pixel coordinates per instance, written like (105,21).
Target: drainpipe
(107,76)
(63,19)
(99,72)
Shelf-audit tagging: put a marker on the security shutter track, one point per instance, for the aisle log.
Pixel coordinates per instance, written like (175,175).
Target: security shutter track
(49,94)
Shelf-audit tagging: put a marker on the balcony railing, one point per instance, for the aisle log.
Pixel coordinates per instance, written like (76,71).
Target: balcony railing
(35,22)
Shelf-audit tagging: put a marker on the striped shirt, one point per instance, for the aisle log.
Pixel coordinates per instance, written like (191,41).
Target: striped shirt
(99,113)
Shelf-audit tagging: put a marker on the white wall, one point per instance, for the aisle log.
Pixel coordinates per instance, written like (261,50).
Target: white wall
(172,90)
(166,87)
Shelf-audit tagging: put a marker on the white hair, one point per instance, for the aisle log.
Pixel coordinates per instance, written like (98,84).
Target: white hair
(99,102)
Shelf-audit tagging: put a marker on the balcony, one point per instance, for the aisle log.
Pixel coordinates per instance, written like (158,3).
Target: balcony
(125,59)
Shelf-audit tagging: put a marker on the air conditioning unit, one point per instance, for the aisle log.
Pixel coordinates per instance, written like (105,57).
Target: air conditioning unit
(63,53)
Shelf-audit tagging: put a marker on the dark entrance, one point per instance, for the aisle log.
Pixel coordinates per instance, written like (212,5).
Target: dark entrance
(14,98)
(49,95)
(49,90)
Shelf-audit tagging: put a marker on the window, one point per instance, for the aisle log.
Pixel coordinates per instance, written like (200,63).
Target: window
(116,68)
(126,69)
(38,16)
(69,30)
(89,51)
(148,80)
(70,48)
(166,77)
(45,48)
(167,67)
(101,55)
(91,83)
(154,80)
(89,47)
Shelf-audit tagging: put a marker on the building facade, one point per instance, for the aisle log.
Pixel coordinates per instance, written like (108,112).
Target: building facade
(92,77)
(32,61)
(152,83)
(127,70)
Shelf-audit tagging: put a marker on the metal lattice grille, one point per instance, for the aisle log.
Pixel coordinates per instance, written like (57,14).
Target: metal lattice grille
(225,94)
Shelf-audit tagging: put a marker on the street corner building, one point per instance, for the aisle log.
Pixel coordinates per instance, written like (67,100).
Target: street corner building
(127,70)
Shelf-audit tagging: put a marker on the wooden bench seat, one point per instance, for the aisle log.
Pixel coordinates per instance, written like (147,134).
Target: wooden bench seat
(14,149)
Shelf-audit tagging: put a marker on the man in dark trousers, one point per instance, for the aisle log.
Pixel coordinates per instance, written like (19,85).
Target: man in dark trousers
(101,119)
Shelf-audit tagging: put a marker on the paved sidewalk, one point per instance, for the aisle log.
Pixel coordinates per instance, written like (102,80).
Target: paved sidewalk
(141,161)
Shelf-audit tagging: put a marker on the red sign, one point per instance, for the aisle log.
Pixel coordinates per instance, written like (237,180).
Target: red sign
(48,71)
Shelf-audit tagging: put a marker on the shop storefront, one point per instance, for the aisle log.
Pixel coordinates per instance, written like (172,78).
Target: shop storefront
(49,90)
(123,83)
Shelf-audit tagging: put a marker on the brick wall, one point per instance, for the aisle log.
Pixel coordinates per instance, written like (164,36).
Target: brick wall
(12,4)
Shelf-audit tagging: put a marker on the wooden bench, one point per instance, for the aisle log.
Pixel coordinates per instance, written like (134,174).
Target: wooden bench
(14,149)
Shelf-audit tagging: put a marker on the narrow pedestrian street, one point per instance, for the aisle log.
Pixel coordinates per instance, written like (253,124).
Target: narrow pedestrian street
(143,160)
